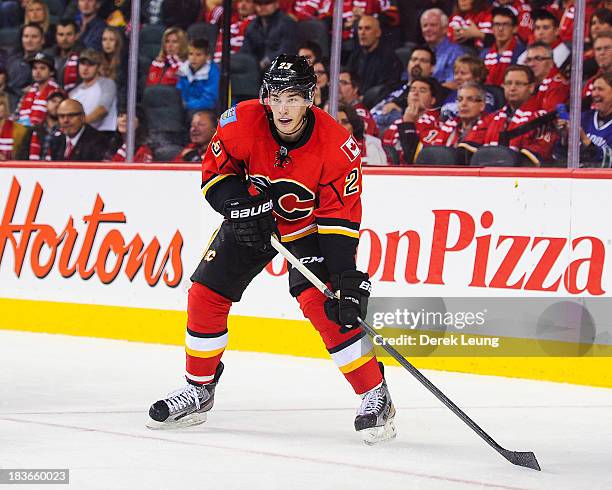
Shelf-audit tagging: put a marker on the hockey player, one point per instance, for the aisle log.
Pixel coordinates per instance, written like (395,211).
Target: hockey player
(279,165)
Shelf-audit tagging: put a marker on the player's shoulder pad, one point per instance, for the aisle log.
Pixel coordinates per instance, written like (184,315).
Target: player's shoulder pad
(228,117)
(247,114)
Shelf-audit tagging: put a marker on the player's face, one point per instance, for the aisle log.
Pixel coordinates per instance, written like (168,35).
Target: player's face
(463,74)
(420,95)
(419,64)
(40,72)
(545,30)
(172,45)
(602,97)
(470,104)
(603,52)
(288,110)
(65,37)
(344,122)
(517,88)
(539,60)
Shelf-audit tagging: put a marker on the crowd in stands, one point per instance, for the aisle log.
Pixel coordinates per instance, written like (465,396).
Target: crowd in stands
(422,81)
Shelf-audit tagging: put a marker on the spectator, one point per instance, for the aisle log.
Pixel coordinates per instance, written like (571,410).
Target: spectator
(66,54)
(348,94)
(470,23)
(5,90)
(18,69)
(308,9)
(203,125)
(113,59)
(211,12)
(374,63)
(311,51)
(506,48)
(421,64)
(244,15)
(91,26)
(174,50)
(471,105)
(97,94)
(33,105)
(522,10)
(552,87)
(566,22)
(546,29)
(77,140)
(12,135)
(322,88)
(37,12)
(467,69)
(118,144)
(434,25)
(595,125)
(272,33)
(199,78)
(372,152)
(420,123)
(151,11)
(521,107)
(602,47)
(601,21)
(40,141)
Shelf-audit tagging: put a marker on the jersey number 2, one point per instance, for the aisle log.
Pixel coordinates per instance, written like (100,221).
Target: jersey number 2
(351,186)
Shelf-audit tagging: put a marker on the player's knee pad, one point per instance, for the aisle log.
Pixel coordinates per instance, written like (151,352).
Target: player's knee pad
(311,303)
(207,311)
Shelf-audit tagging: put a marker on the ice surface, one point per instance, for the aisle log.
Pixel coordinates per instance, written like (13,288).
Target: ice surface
(283,422)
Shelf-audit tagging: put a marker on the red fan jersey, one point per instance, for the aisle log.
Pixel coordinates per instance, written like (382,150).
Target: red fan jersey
(482,19)
(315,183)
(368,121)
(554,89)
(427,129)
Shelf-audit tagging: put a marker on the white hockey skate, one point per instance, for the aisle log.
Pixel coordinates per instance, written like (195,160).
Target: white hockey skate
(374,420)
(185,407)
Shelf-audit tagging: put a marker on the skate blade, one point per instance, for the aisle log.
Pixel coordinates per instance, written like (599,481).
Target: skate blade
(192,420)
(376,435)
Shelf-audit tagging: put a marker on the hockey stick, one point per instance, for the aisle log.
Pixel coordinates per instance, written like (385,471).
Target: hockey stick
(519,458)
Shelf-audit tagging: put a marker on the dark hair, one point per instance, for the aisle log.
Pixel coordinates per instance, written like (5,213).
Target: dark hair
(505,12)
(200,43)
(36,25)
(522,68)
(67,21)
(312,46)
(212,117)
(434,86)
(354,119)
(140,138)
(424,47)
(607,77)
(355,78)
(543,14)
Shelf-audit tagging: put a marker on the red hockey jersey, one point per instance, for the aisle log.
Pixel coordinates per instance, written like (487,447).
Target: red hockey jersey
(554,89)
(315,183)
(427,129)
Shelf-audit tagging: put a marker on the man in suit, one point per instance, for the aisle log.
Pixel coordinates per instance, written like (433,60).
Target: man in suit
(76,141)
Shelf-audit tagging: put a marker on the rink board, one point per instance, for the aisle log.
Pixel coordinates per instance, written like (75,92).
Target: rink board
(107,251)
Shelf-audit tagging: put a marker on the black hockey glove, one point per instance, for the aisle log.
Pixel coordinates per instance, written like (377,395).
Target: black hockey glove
(354,287)
(252,221)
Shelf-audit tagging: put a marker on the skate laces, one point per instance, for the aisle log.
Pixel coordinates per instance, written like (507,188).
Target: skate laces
(180,399)
(373,401)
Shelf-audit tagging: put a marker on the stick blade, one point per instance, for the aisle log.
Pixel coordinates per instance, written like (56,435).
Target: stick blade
(520,458)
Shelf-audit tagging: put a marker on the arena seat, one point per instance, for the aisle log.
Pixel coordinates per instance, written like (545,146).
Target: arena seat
(167,152)
(203,30)
(9,37)
(439,155)
(56,9)
(404,52)
(150,40)
(374,95)
(244,76)
(392,154)
(163,107)
(495,156)
(498,95)
(314,30)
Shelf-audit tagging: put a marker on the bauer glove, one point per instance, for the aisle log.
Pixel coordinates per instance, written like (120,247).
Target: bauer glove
(354,288)
(252,221)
